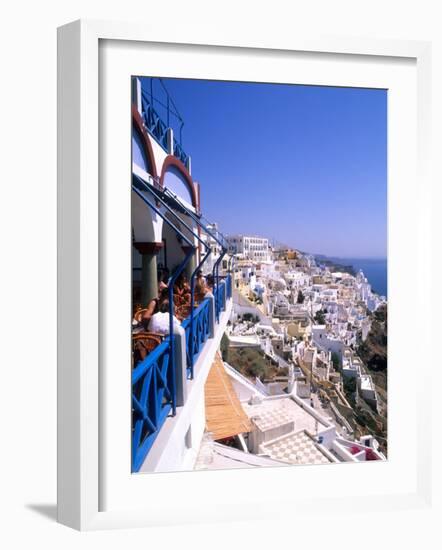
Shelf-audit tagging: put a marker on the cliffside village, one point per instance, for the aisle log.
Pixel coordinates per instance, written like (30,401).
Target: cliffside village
(290,353)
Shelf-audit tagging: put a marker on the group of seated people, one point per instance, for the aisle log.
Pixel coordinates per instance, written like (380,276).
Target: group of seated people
(154,318)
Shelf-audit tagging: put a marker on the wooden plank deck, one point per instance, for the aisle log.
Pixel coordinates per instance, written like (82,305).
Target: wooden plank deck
(225,416)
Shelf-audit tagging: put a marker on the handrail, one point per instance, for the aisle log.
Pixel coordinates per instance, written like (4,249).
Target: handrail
(158,197)
(175,110)
(150,99)
(152,401)
(208,222)
(193,323)
(176,113)
(197,220)
(143,366)
(172,280)
(216,268)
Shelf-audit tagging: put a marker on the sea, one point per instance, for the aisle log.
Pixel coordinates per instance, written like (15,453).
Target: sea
(374,269)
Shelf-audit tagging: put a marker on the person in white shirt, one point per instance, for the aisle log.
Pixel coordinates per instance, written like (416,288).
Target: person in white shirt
(159,322)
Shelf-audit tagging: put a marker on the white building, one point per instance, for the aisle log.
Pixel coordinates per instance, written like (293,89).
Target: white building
(367,389)
(251,247)
(286,429)
(326,342)
(212,240)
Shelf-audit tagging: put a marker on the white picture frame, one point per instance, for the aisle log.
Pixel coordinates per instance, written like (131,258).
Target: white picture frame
(81,444)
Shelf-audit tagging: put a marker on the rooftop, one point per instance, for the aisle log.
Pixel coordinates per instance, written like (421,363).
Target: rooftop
(366,382)
(244,340)
(272,413)
(296,448)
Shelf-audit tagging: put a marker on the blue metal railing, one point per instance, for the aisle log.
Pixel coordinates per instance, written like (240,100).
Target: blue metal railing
(152,400)
(179,153)
(157,395)
(153,122)
(153,380)
(153,383)
(140,184)
(220,297)
(229,286)
(222,241)
(157,126)
(172,279)
(197,328)
(214,235)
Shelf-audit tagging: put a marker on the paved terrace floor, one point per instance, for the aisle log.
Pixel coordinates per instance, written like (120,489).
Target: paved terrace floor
(275,412)
(295,448)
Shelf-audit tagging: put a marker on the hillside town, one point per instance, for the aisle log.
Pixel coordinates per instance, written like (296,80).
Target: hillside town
(291,351)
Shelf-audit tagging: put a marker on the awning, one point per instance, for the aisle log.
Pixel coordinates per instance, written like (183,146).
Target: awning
(225,416)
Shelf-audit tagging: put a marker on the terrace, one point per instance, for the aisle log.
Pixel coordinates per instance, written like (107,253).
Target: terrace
(162,383)
(279,418)
(160,377)
(297,448)
(367,383)
(170,248)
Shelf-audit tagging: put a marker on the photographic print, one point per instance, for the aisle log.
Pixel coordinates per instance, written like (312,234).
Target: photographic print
(259,275)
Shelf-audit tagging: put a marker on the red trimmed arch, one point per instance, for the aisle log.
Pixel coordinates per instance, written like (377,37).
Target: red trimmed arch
(139,126)
(172,161)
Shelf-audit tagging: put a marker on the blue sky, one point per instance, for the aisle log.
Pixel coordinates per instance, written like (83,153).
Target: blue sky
(304,165)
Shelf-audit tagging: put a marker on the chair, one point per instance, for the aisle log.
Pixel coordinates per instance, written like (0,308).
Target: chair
(139,314)
(143,343)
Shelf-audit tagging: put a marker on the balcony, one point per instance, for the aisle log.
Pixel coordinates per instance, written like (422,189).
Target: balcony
(162,385)
(161,126)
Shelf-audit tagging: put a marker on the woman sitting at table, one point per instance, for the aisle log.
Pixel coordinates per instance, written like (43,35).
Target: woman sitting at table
(152,307)
(181,290)
(210,282)
(201,288)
